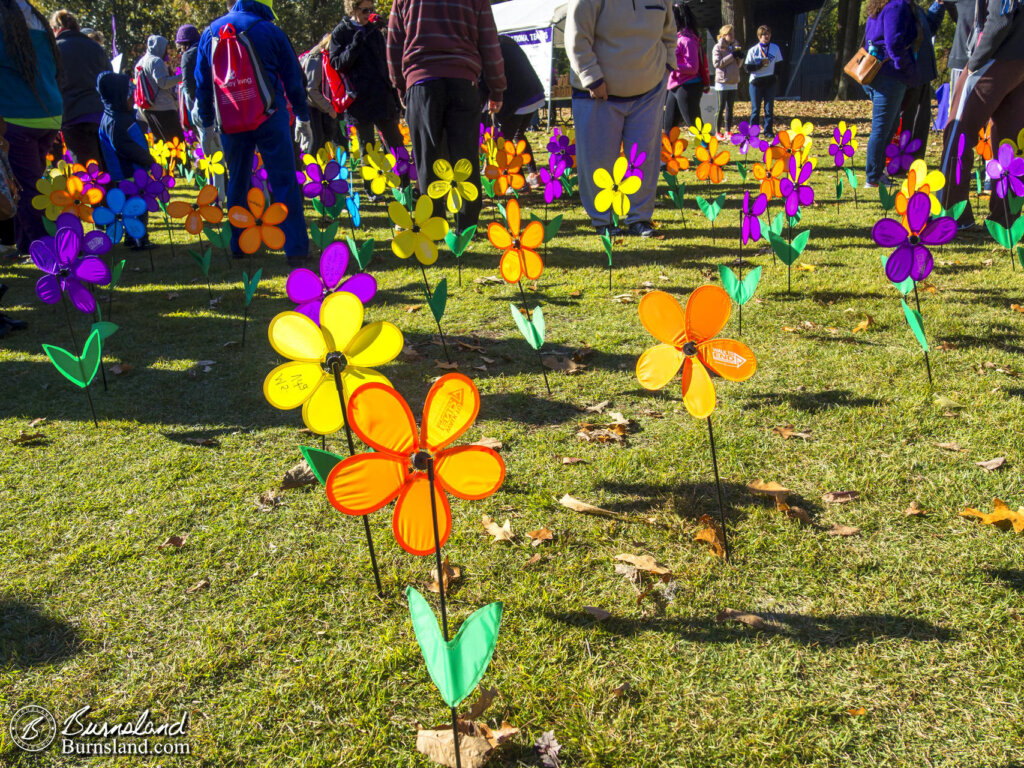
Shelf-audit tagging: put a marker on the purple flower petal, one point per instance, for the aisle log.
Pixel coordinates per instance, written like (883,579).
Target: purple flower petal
(91,270)
(48,289)
(918,210)
(311,189)
(96,243)
(80,296)
(792,205)
(363,285)
(922,266)
(939,232)
(303,285)
(310,309)
(897,268)
(806,195)
(334,264)
(44,255)
(760,205)
(889,233)
(69,245)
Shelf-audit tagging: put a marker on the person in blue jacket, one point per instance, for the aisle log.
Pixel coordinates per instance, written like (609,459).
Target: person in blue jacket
(889,36)
(273,137)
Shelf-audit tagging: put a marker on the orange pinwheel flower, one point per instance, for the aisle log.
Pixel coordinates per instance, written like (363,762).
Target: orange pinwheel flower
(258,224)
(507,169)
(770,177)
(789,144)
(76,199)
(984,145)
(520,257)
(672,149)
(711,162)
(687,340)
(397,467)
(176,150)
(194,213)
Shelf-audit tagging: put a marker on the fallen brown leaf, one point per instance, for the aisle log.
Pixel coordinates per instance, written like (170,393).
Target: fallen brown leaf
(769,489)
(750,619)
(864,324)
(413,308)
(298,476)
(533,560)
(712,535)
(36,422)
(499,532)
(572,460)
(1002,517)
(172,295)
(1017,308)
(623,298)
(476,743)
(451,575)
(622,690)
(201,584)
(580,506)
(173,542)
(444,366)
(562,364)
(471,348)
(645,563)
(992,464)
(949,446)
(486,698)
(856,711)
(786,431)
(539,536)
(840,497)
(489,279)
(490,442)
(599,614)
(793,513)
(24,437)
(842,530)
(268,500)
(598,407)
(914,510)
(121,369)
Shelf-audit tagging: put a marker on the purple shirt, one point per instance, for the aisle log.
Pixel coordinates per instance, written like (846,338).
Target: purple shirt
(892,32)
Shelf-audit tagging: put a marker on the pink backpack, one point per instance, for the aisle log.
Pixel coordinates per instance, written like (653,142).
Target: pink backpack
(145,89)
(242,96)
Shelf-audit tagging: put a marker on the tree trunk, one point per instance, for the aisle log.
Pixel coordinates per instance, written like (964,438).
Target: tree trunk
(849,23)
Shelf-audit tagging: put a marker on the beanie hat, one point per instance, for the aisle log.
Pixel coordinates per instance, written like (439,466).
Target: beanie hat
(187,35)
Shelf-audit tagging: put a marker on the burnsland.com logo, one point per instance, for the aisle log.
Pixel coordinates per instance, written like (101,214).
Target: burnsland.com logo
(33,729)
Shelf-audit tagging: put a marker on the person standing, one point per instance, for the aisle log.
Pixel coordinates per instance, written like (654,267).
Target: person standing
(322,115)
(889,36)
(30,103)
(916,108)
(727,76)
(276,61)
(760,62)
(82,61)
(437,50)
(619,57)
(523,97)
(187,42)
(991,87)
(161,107)
(690,79)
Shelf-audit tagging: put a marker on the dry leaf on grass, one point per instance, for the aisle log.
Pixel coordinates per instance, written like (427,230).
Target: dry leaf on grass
(914,510)
(786,431)
(955,447)
(413,308)
(547,750)
(490,442)
(298,476)
(645,563)
(840,497)
(712,535)
(539,536)
(501,532)
(489,280)
(750,619)
(36,422)
(476,743)
(268,500)
(452,366)
(842,530)
(769,489)
(1002,517)
(469,346)
(562,364)
(572,460)
(793,513)
(864,324)
(537,557)
(1017,308)
(451,575)
(486,698)
(599,614)
(201,584)
(622,690)
(856,711)
(597,407)
(581,506)
(992,464)
(24,437)
(173,542)
(623,298)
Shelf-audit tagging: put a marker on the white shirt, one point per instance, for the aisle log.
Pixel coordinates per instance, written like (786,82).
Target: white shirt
(758,53)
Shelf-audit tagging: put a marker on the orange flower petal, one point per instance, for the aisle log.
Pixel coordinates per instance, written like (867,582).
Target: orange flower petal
(532,264)
(365,482)
(249,240)
(212,213)
(470,471)
(382,419)
(275,214)
(193,222)
(177,209)
(451,407)
(207,195)
(256,201)
(413,523)
(240,218)
(663,318)
(511,266)
(273,237)
(707,311)
(658,365)
(728,358)
(698,391)
(498,235)
(533,235)
(512,217)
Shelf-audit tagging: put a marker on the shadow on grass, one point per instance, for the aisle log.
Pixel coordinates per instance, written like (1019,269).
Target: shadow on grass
(527,408)
(28,637)
(688,500)
(1012,578)
(811,402)
(1005,341)
(828,631)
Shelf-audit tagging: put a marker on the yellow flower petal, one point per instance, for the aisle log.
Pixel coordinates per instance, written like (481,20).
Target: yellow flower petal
(434,228)
(341,316)
(399,215)
(376,344)
(603,180)
(290,385)
(322,411)
(295,336)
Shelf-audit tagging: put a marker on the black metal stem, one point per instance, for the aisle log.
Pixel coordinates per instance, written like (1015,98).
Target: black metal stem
(428,292)
(718,486)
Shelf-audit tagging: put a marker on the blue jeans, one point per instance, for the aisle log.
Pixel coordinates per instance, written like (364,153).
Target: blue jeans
(763,93)
(274,141)
(602,126)
(886,94)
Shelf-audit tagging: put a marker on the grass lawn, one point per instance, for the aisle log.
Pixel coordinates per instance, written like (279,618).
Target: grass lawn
(287,657)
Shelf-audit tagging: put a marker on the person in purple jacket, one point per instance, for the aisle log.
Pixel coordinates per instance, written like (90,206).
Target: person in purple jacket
(889,36)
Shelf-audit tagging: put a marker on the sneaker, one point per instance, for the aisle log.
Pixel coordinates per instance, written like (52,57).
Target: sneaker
(533,180)
(604,229)
(869,185)
(642,229)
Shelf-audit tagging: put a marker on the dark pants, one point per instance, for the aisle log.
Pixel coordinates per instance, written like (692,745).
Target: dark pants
(726,100)
(274,141)
(325,128)
(514,127)
(762,92)
(164,124)
(444,121)
(916,115)
(390,134)
(83,141)
(28,160)
(682,105)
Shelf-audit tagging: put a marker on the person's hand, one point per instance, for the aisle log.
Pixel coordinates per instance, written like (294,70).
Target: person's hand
(304,135)
(494,106)
(334,114)
(377,20)
(211,141)
(600,92)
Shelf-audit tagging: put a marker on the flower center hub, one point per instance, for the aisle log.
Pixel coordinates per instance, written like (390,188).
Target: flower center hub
(63,272)
(419,460)
(334,362)
(689,349)
(914,239)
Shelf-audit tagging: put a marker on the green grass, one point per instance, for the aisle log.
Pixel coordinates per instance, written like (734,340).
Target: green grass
(288,658)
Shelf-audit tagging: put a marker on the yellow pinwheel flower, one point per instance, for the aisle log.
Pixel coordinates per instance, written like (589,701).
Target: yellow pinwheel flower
(377,170)
(212,166)
(807,129)
(701,131)
(419,232)
(45,201)
(160,152)
(615,188)
(453,183)
(67,169)
(313,352)
(920,179)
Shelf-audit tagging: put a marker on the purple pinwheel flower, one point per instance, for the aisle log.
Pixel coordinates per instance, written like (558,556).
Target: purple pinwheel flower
(404,165)
(841,148)
(636,160)
(165,180)
(308,289)
(324,184)
(65,273)
(746,137)
(141,184)
(561,146)
(190,136)
(551,178)
(1006,170)
(121,214)
(94,243)
(94,177)
(901,155)
(795,188)
(751,222)
(911,258)
(259,175)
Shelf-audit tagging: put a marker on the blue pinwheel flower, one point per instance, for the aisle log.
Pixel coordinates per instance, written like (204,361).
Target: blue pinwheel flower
(121,214)
(352,203)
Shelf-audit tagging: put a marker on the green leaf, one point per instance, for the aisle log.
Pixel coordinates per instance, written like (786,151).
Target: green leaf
(851,178)
(251,285)
(915,323)
(1020,256)
(742,168)
(202,260)
(740,292)
(321,462)
(552,227)
(220,237)
(439,299)
(538,326)
(670,180)
(885,198)
(335,210)
(676,196)
(906,286)
(456,666)
(794,221)
(778,223)
(1015,203)
(977,180)
(786,253)
(999,233)
(80,371)
(606,241)
(106,329)
(488,186)
(705,207)
(800,241)
(730,283)
(115,273)
(501,210)
(459,241)
(956,211)
(1017,231)
(363,252)
(528,328)
(318,206)
(839,188)
(49,226)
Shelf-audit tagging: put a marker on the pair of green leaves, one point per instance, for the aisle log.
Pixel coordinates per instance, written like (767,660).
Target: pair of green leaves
(1008,237)
(743,169)
(203,259)
(488,186)
(323,237)
(531,328)
(886,198)
(115,273)
(956,211)
(789,252)
(250,285)
(839,188)
(403,196)
(363,252)
(740,291)
(458,242)
(851,178)
(568,182)
(219,236)
(711,208)
(458,665)
(331,213)
(916,324)
(439,299)
(80,370)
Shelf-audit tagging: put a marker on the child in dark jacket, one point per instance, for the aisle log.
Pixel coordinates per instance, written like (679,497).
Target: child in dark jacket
(123,144)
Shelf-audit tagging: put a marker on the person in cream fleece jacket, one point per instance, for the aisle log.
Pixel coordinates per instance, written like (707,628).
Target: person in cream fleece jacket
(619,54)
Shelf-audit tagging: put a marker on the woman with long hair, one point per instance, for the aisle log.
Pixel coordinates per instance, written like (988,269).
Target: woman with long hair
(726,58)
(30,103)
(322,116)
(689,82)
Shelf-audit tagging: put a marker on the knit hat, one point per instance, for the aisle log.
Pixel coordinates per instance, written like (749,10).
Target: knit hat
(187,35)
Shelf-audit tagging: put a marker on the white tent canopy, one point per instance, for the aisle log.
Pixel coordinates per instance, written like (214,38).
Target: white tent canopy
(516,15)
